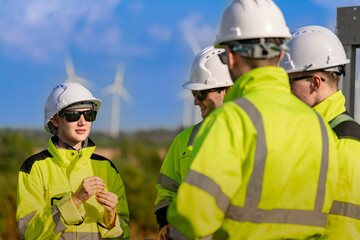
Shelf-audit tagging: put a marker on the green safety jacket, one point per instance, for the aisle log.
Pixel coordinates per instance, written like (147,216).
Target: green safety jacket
(173,171)
(344,218)
(264,167)
(46,182)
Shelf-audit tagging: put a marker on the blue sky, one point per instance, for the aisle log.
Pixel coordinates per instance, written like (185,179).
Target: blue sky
(146,36)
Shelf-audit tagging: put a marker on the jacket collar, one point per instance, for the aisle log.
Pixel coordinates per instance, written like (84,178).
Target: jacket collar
(332,106)
(65,157)
(259,79)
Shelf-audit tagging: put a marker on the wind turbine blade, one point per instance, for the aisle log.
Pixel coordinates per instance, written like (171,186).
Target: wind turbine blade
(84,82)
(194,45)
(108,90)
(70,71)
(119,76)
(72,77)
(126,96)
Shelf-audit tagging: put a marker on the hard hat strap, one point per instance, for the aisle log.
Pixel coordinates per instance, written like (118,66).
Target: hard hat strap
(259,50)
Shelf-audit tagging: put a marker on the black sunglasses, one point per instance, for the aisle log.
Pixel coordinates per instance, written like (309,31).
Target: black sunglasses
(201,95)
(73,116)
(223,57)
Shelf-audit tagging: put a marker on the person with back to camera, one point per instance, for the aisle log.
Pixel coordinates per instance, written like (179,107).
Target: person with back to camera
(67,191)
(264,164)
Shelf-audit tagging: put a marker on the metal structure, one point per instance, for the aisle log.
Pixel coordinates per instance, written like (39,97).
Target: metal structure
(347,29)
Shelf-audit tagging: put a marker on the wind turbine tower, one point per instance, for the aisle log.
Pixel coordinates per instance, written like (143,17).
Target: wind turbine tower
(196,114)
(71,76)
(188,107)
(118,91)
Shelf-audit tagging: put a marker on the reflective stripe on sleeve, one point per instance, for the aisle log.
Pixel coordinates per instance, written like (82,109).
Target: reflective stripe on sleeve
(23,222)
(168,182)
(339,119)
(163,203)
(193,133)
(250,212)
(345,209)
(60,227)
(210,186)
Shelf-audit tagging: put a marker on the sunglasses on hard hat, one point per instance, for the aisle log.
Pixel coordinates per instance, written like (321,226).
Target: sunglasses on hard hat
(201,95)
(223,57)
(73,116)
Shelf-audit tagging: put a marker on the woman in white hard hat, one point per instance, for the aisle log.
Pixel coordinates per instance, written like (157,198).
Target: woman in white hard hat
(67,191)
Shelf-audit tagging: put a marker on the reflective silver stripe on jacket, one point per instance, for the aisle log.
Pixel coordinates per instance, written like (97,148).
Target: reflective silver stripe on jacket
(345,209)
(250,212)
(210,186)
(163,203)
(80,236)
(175,234)
(60,227)
(339,119)
(171,185)
(168,183)
(193,133)
(23,222)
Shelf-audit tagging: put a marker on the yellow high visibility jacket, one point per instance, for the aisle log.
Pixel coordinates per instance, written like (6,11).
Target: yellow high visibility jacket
(344,218)
(46,181)
(264,167)
(173,171)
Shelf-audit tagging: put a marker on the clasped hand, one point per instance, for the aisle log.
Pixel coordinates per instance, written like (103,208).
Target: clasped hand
(95,185)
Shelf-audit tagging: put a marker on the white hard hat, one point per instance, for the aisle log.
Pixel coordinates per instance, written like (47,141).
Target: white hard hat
(313,48)
(207,71)
(64,95)
(251,19)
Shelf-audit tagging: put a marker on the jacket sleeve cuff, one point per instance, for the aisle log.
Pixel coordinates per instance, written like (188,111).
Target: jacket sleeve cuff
(115,232)
(70,213)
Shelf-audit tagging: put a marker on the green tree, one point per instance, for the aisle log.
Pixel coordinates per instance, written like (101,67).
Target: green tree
(14,149)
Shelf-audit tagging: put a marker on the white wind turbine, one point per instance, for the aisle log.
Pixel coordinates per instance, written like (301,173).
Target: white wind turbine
(118,91)
(188,107)
(195,116)
(72,77)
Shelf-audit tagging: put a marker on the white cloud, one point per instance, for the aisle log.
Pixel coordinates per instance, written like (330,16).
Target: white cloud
(160,33)
(195,26)
(37,29)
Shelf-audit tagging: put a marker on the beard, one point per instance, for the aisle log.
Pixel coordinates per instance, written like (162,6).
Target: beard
(233,75)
